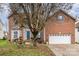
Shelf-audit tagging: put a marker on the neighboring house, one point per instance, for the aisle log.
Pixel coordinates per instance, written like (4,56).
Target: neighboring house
(1,30)
(5,34)
(77,31)
(14,32)
(60,28)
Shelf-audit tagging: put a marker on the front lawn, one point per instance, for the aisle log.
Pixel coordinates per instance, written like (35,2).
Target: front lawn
(7,49)
(4,43)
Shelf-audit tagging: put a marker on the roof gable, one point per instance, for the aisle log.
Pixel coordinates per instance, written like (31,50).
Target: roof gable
(63,11)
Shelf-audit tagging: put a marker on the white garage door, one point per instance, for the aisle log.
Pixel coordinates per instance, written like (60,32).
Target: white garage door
(64,39)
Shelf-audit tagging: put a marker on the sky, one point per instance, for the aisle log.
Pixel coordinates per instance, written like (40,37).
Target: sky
(4,15)
(75,10)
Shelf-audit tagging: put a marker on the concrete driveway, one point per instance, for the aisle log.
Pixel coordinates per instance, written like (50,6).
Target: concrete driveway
(65,49)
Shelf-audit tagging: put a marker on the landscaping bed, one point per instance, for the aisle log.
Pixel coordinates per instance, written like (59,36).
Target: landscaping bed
(7,49)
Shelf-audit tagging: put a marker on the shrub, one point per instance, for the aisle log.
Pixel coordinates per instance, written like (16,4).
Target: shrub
(4,38)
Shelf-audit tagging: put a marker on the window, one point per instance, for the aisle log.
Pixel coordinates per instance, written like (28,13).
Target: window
(16,18)
(61,18)
(15,34)
(78,29)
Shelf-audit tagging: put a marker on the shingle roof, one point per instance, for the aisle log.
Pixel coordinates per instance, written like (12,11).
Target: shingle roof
(66,12)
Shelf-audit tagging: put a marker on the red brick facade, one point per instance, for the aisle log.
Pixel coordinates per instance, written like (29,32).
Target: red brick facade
(54,26)
(11,28)
(11,25)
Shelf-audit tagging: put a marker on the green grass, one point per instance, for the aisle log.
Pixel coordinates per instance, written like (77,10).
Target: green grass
(22,52)
(7,49)
(4,43)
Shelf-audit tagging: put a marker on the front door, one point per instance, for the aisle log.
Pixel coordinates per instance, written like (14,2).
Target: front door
(28,35)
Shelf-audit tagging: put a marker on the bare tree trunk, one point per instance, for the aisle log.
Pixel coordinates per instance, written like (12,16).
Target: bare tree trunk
(21,33)
(34,39)
(34,42)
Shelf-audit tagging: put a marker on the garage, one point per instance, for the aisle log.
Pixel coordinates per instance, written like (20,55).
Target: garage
(59,39)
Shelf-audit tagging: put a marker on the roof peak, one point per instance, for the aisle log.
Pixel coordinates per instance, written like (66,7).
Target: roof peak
(65,11)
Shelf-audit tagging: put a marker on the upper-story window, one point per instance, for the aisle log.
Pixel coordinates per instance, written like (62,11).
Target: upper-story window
(60,18)
(16,19)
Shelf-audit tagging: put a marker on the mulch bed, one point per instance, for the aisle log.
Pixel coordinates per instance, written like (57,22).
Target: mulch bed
(44,48)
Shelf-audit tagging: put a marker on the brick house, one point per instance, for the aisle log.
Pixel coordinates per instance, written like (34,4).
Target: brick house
(60,28)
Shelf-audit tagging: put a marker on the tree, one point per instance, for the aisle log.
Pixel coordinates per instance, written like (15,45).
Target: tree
(20,23)
(37,14)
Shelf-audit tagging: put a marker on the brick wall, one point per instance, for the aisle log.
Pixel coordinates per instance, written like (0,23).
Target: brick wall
(65,27)
(10,21)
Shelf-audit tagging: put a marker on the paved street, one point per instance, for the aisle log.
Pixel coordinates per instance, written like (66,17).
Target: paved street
(65,49)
